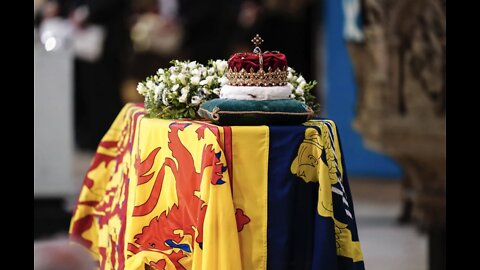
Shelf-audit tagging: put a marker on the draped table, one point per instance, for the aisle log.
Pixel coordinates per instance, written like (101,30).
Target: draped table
(178,194)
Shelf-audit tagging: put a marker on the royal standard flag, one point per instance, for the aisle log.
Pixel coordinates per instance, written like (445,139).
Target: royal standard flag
(171,194)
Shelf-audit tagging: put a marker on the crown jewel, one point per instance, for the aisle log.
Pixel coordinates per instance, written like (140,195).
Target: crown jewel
(257,68)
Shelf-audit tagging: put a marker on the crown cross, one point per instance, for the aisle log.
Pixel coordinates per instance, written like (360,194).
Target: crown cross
(257,40)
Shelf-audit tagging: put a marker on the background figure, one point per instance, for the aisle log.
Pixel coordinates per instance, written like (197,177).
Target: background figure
(209,27)
(60,254)
(157,33)
(289,26)
(98,79)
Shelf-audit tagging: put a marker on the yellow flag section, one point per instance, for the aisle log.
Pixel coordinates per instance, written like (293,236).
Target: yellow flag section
(181,213)
(250,147)
(329,174)
(97,222)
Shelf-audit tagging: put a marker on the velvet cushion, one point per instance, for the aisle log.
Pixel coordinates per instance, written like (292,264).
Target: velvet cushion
(255,112)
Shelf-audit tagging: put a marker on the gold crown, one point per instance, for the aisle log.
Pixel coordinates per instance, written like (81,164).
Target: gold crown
(259,78)
(277,77)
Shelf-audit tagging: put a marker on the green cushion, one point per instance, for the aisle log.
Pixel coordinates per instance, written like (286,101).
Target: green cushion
(255,112)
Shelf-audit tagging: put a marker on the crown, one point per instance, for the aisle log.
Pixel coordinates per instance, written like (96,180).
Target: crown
(257,68)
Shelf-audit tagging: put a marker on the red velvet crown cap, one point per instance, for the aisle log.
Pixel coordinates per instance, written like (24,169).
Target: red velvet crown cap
(247,60)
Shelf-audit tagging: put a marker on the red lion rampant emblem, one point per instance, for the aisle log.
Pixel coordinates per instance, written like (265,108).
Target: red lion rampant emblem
(173,233)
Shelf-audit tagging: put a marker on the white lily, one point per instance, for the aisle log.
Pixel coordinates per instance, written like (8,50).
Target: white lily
(192,64)
(196,100)
(181,78)
(164,98)
(196,72)
(195,80)
(299,91)
(209,79)
(173,78)
(221,65)
(211,71)
(158,91)
(150,85)
(185,90)
(300,79)
(183,98)
(141,89)
(175,88)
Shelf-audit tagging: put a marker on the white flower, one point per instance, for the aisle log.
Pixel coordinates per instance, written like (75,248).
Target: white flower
(175,87)
(289,76)
(173,78)
(195,80)
(223,80)
(150,85)
(160,71)
(196,72)
(183,98)
(209,79)
(203,82)
(196,100)
(211,71)
(216,91)
(302,84)
(221,65)
(142,90)
(292,95)
(299,91)
(164,98)
(192,64)
(181,78)
(300,79)
(158,90)
(291,86)
(207,90)
(185,90)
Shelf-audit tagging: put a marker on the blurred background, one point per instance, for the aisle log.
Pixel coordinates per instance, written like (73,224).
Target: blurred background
(380,65)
